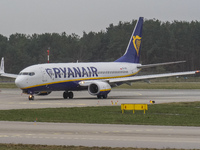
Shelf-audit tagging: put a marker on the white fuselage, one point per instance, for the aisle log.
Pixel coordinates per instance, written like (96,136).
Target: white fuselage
(65,76)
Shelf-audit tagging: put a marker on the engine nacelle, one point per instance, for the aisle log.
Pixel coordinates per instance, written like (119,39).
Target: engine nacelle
(43,93)
(99,88)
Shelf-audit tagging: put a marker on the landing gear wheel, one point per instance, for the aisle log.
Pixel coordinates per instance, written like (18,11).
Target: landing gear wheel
(69,95)
(65,95)
(102,96)
(31,97)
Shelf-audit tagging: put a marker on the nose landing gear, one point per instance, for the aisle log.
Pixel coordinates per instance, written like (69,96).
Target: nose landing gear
(31,97)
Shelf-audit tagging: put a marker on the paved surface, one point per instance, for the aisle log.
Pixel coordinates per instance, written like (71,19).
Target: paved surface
(95,134)
(13,99)
(100,135)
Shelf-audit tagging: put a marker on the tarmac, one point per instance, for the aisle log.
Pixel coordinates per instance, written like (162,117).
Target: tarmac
(141,136)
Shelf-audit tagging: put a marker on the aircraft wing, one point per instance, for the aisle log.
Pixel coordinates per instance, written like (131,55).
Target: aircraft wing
(144,77)
(138,78)
(3,74)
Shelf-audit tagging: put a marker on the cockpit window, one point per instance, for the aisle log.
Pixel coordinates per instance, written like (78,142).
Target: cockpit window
(27,73)
(23,73)
(31,73)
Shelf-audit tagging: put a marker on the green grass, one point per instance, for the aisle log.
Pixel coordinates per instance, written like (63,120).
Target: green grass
(174,114)
(7,85)
(46,147)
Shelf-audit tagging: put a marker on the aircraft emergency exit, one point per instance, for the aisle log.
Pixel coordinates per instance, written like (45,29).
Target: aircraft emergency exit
(96,77)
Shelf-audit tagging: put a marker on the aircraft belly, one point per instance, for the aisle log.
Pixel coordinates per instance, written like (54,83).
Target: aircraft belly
(64,86)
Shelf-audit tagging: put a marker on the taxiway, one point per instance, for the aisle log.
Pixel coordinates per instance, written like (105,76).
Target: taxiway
(13,99)
(98,134)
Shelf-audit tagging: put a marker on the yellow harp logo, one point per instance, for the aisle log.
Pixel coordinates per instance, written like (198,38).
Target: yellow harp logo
(136,43)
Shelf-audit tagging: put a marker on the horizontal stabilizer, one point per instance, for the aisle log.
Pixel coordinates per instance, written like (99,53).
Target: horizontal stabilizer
(159,64)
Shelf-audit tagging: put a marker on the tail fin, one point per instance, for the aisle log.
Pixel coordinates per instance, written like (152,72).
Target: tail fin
(3,74)
(2,66)
(132,53)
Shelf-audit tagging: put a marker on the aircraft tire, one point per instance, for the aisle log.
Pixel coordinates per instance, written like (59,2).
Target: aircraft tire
(104,96)
(99,96)
(31,97)
(71,95)
(65,95)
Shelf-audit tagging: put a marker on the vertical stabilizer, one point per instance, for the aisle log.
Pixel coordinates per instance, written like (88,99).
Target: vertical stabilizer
(132,53)
(3,74)
(2,66)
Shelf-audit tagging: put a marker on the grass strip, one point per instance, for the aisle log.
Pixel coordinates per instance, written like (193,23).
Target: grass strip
(173,114)
(8,85)
(46,147)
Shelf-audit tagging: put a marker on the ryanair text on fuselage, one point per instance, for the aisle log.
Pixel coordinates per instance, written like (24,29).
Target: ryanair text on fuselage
(68,72)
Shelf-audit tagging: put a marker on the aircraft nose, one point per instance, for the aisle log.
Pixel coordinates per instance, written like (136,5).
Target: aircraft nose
(19,81)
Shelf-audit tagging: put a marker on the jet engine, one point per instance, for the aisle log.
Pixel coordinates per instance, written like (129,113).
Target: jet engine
(101,89)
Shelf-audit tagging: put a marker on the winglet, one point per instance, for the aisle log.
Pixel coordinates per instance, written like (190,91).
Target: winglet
(2,66)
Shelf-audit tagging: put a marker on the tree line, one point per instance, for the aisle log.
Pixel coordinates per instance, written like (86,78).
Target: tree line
(161,42)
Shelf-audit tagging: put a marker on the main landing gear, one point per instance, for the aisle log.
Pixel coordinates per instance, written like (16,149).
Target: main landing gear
(67,94)
(102,96)
(31,97)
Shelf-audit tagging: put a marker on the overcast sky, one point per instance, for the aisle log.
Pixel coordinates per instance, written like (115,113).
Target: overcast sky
(76,16)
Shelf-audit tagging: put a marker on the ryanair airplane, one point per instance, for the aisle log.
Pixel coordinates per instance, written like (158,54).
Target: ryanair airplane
(96,77)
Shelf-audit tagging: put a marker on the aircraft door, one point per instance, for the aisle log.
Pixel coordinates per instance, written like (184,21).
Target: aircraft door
(44,74)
